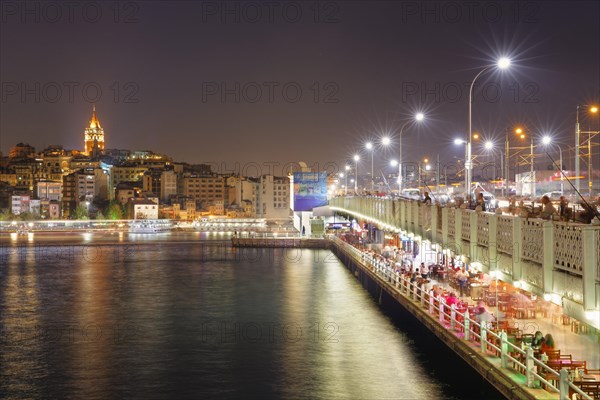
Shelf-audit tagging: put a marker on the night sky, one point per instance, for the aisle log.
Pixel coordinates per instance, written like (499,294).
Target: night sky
(331,75)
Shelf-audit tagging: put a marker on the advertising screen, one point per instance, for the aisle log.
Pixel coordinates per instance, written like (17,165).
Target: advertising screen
(310,190)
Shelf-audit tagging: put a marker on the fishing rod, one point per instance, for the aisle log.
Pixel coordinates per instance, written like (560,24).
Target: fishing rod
(588,206)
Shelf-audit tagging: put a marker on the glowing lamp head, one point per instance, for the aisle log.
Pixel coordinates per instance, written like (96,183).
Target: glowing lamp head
(475,136)
(369,145)
(489,145)
(518,131)
(393,163)
(546,140)
(503,63)
(522,136)
(594,109)
(347,167)
(385,141)
(356,157)
(458,141)
(419,117)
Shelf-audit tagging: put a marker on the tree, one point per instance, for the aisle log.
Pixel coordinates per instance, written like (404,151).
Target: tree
(6,215)
(27,216)
(80,212)
(114,210)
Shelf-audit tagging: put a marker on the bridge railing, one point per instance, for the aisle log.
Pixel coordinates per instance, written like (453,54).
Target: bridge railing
(522,360)
(530,251)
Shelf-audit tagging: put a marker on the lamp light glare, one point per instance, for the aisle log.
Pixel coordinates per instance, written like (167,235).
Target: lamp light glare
(503,63)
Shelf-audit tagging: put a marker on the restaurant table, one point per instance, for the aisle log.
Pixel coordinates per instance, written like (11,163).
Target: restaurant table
(589,384)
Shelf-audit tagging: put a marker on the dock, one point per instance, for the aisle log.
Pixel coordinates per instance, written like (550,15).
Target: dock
(279,242)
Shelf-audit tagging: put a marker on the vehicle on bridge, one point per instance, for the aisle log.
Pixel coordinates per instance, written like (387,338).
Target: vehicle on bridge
(414,194)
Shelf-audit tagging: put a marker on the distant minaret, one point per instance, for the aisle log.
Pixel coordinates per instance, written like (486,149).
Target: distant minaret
(93,133)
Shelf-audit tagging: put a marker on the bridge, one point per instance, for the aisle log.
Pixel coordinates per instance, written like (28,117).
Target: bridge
(557,260)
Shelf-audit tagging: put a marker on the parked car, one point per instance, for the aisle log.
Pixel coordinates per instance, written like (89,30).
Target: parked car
(443,199)
(414,194)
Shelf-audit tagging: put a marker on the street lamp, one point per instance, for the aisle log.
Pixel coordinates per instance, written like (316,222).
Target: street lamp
(418,117)
(394,163)
(489,146)
(342,175)
(519,132)
(503,63)
(356,158)
(592,109)
(547,140)
(347,168)
(369,147)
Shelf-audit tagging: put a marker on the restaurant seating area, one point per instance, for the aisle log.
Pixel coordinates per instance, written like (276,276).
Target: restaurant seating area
(519,314)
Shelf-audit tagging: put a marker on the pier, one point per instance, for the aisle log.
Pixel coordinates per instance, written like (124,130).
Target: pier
(278,242)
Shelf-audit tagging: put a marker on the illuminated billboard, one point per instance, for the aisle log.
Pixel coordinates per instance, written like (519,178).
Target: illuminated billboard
(310,190)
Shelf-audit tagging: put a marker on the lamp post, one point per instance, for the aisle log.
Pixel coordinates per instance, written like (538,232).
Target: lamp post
(347,169)
(503,63)
(385,141)
(394,163)
(547,140)
(489,146)
(369,147)
(531,172)
(593,110)
(418,117)
(356,158)
(422,175)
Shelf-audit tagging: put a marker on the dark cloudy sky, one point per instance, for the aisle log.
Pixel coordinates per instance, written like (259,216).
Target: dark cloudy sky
(182,77)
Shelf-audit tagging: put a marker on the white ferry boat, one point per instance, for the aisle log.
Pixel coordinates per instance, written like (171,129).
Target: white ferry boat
(150,226)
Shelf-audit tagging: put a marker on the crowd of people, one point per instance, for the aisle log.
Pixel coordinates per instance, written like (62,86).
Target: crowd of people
(563,211)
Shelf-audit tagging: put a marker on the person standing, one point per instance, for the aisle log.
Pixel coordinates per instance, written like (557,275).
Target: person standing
(462,278)
(562,208)
(427,199)
(480,202)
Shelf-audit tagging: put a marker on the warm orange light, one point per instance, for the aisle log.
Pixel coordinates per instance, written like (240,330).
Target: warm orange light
(426,160)
(518,131)
(594,109)
(475,136)
(523,136)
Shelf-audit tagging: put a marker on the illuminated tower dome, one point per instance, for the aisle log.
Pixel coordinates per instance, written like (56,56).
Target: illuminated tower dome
(93,133)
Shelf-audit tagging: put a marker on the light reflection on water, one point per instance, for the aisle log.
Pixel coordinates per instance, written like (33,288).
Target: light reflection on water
(187,321)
